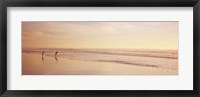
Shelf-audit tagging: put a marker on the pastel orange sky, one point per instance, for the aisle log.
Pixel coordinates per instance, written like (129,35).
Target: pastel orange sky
(148,35)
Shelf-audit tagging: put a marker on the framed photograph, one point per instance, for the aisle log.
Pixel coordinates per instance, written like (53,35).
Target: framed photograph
(79,48)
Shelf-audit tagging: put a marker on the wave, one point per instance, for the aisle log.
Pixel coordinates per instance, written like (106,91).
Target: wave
(128,63)
(171,54)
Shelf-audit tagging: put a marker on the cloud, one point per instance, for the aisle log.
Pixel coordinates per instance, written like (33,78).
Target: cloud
(100,34)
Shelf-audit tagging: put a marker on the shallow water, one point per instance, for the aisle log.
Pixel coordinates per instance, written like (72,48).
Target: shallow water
(100,62)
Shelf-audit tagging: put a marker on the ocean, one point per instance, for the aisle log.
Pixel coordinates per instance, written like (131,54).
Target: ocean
(99,61)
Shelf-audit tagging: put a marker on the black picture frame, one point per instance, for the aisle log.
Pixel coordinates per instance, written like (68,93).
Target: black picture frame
(99,3)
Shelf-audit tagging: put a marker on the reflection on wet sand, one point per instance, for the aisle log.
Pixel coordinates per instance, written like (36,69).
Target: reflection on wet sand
(99,62)
(42,58)
(55,56)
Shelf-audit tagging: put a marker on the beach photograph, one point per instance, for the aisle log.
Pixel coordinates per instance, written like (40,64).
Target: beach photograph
(100,47)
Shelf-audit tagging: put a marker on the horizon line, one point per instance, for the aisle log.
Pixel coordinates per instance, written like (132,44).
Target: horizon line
(98,48)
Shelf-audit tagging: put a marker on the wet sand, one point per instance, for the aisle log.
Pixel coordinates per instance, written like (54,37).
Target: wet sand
(34,64)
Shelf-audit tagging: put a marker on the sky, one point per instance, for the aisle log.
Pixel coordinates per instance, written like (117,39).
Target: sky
(145,35)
